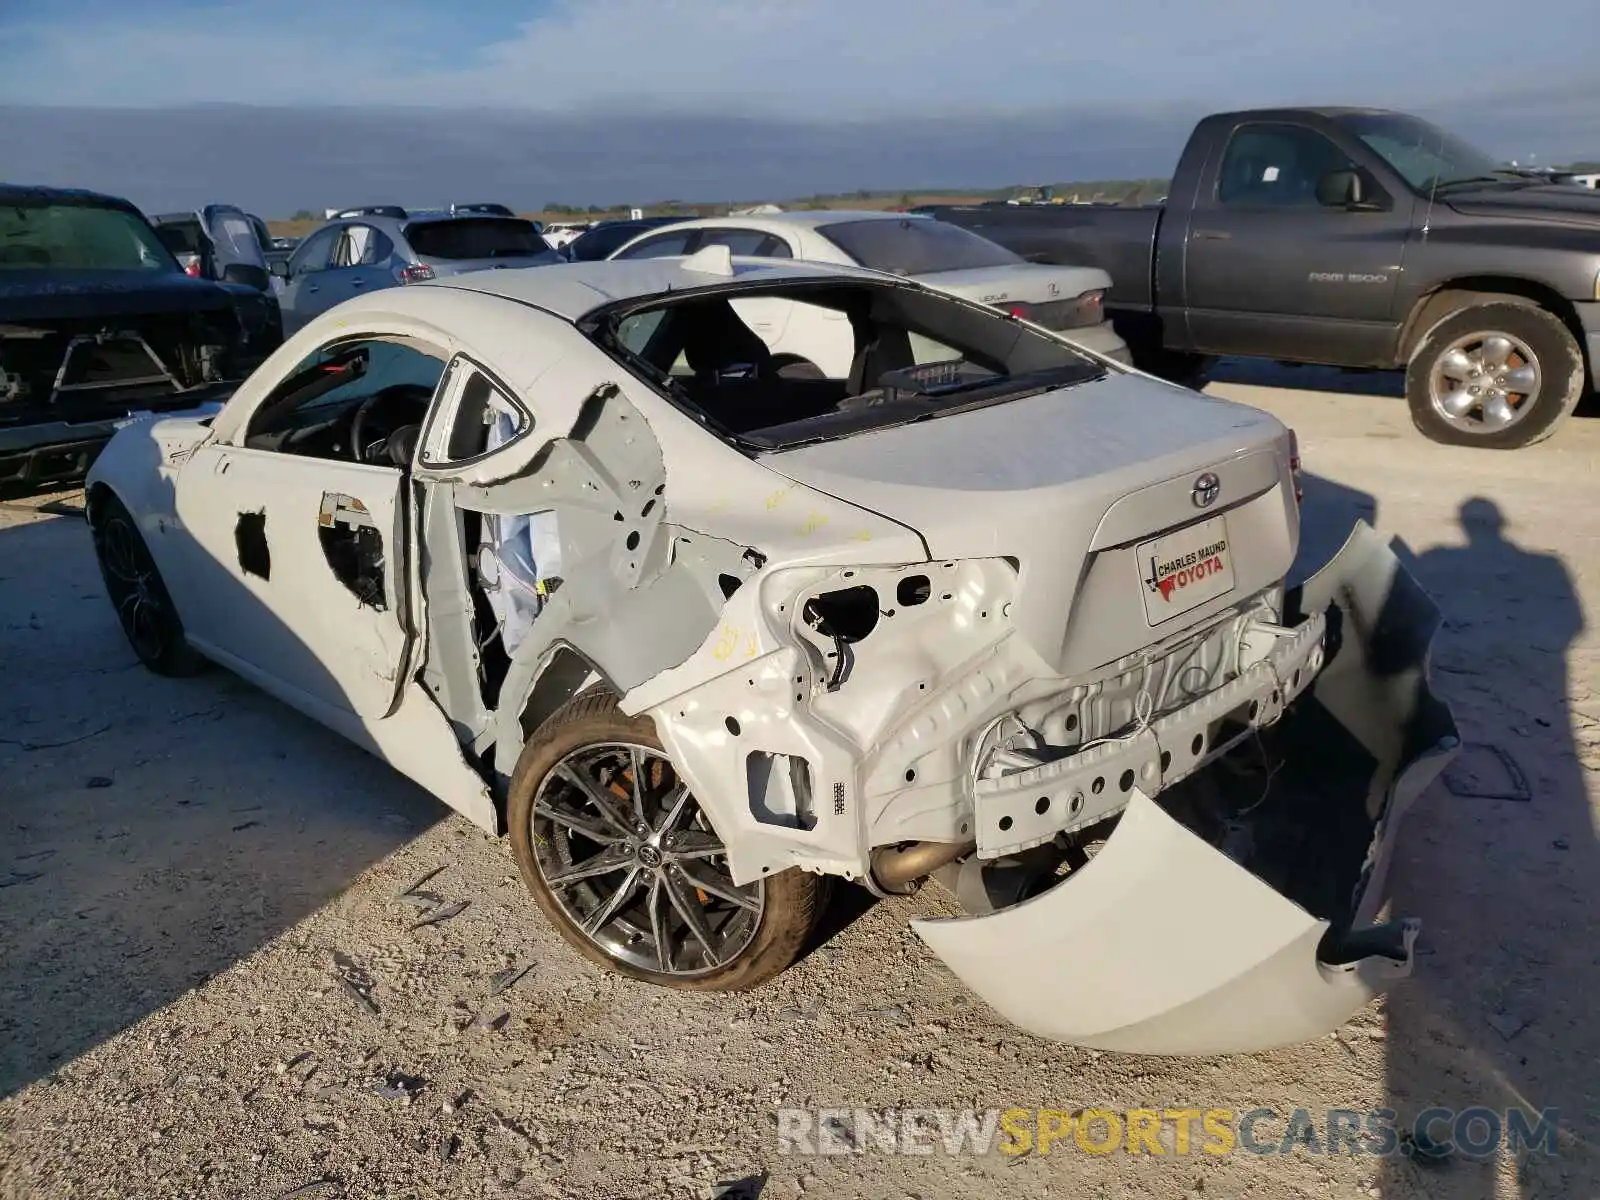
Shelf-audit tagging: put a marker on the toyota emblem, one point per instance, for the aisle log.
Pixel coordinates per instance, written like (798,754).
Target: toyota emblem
(1206,490)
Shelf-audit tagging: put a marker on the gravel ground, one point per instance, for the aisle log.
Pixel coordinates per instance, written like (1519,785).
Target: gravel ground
(210,986)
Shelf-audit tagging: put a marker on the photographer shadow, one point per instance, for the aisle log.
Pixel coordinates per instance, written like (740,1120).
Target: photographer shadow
(1503,869)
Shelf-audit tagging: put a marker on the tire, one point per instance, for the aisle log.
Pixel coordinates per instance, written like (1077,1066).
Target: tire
(650,898)
(138,595)
(1186,370)
(1510,342)
(793,366)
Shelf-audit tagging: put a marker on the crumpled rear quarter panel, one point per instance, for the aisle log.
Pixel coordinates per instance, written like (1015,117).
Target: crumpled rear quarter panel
(1162,943)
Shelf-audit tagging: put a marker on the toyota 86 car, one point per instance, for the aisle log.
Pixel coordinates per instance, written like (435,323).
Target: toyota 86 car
(568,547)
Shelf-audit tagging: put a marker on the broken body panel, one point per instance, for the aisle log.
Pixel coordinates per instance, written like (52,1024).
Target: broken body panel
(1279,896)
(993,631)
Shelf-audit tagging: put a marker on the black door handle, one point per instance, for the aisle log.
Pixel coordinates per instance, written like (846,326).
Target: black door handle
(1212,235)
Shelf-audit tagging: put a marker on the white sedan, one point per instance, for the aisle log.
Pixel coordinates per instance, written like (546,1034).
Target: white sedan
(990,608)
(1067,300)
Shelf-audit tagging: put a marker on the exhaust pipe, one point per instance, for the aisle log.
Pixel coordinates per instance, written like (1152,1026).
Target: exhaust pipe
(896,869)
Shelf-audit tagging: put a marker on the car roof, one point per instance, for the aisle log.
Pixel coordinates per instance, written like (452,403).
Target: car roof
(1331,112)
(18,195)
(458,214)
(573,290)
(395,226)
(805,219)
(641,222)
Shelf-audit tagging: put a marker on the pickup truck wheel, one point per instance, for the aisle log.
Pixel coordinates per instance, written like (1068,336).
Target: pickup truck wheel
(144,609)
(1500,375)
(1175,366)
(625,864)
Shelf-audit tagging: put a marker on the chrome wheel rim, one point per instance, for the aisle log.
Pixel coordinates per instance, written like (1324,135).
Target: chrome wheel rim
(1485,382)
(130,577)
(629,856)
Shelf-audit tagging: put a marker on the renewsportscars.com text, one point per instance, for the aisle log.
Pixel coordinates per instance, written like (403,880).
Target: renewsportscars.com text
(1476,1132)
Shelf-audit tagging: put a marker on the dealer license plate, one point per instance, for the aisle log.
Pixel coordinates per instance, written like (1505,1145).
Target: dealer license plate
(1183,570)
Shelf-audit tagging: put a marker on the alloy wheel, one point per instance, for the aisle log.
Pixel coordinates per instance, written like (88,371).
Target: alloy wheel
(1485,382)
(629,856)
(136,594)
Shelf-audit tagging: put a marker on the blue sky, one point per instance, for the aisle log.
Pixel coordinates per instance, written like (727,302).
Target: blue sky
(833,58)
(604,101)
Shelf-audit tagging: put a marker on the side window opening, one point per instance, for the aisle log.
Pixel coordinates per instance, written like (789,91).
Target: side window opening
(475,416)
(666,245)
(356,400)
(744,242)
(314,252)
(362,246)
(469,435)
(1277,166)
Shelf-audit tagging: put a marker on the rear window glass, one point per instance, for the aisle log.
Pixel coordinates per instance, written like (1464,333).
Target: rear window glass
(915,246)
(181,237)
(477,237)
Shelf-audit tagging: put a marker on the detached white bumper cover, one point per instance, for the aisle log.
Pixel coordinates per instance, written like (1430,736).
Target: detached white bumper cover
(1163,944)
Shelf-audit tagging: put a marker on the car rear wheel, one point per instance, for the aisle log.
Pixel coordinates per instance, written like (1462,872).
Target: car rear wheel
(1500,375)
(627,866)
(143,606)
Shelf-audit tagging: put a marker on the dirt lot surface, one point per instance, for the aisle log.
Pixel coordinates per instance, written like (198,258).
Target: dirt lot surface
(209,986)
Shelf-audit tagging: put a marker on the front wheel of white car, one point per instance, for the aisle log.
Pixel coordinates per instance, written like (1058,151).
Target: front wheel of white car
(625,863)
(144,608)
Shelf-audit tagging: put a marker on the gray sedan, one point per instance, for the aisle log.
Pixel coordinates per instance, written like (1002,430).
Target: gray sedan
(1065,299)
(352,256)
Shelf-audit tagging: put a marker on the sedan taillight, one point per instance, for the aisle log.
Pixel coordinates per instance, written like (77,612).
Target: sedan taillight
(1090,309)
(415,273)
(1025,311)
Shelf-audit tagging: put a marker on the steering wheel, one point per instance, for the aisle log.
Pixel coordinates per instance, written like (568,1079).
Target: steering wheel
(361,450)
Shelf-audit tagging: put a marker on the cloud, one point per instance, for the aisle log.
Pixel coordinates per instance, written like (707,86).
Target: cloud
(277,160)
(299,104)
(839,59)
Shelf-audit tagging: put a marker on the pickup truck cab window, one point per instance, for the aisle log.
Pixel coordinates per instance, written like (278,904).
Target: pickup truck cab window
(1276,165)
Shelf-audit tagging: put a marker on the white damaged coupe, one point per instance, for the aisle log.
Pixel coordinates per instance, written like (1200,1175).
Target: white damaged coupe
(568,548)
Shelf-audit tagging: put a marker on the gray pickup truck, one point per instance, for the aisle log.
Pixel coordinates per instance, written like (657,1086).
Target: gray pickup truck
(1355,238)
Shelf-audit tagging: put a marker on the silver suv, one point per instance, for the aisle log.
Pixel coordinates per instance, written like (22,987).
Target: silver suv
(365,250)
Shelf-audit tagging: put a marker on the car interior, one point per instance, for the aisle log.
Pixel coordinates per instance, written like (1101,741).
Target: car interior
(357,401)
(914,355)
